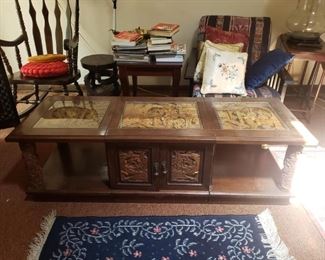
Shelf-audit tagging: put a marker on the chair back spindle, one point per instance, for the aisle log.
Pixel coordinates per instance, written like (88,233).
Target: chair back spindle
(36,31)
(68,34)
(23,27)
(58,28)
(47,29)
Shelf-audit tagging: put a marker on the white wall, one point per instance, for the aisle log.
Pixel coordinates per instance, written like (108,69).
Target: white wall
(96,19)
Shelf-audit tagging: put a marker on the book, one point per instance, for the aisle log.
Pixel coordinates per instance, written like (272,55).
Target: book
(171,59)
(158,47)
(131,52)
(163,33)
(160,40)
(126,43)
(165,27)
(131,58)
(142,45)
(126,36)
(176,48)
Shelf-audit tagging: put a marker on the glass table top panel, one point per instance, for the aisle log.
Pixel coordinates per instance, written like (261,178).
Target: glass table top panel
(73,114)
(160,115)
(247,116)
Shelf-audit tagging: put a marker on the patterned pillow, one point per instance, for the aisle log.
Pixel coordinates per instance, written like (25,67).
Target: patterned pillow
(198,75)
(219,36)
(224,72)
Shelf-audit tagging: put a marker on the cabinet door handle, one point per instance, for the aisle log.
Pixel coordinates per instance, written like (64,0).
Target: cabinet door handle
(156,168)
(164,167)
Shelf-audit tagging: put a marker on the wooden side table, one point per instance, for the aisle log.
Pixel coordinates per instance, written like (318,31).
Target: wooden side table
(148,69)
(309,55)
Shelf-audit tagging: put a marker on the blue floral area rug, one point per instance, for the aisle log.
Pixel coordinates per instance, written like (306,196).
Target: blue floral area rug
(219,237)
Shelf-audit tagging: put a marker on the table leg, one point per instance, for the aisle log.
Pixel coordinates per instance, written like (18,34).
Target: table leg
(289,165)
(176,79)
(135,84)
(123,74)
(314,98)
(33,166)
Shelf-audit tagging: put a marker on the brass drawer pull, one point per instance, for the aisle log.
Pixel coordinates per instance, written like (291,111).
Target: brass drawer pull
(164,167)
(156,169)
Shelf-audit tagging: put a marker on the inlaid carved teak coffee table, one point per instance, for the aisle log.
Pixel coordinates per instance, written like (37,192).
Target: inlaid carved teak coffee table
(165,148)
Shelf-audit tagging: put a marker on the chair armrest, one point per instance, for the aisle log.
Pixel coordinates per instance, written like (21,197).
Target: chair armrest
(280,82)
(191,65)
(13,43)
(286,77)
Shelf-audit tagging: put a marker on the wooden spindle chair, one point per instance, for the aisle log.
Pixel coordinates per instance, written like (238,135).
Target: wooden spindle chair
(68,46)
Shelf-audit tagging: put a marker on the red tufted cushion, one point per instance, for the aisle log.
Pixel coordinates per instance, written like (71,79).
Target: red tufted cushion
(44,70)
(216,35)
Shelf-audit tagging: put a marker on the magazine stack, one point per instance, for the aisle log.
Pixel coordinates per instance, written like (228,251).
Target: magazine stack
(129,46)
(161,45)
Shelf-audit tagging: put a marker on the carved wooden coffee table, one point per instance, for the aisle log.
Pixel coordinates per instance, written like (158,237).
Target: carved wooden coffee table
(173,148)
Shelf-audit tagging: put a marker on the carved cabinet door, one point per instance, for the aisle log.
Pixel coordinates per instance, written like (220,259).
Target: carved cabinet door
(133,166)
(186,166)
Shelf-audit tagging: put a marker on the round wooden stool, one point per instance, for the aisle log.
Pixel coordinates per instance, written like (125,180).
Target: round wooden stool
(102,79)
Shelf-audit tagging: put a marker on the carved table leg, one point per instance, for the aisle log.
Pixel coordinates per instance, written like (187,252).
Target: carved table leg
(33,166)
(289,165)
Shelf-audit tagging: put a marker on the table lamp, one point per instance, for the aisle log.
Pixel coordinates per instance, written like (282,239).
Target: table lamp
(307,23)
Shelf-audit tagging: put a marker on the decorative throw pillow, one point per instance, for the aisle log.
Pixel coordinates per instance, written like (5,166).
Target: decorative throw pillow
(265,67)
(224,72)
(44,69)
(47,58)
(198,75)
(216,35)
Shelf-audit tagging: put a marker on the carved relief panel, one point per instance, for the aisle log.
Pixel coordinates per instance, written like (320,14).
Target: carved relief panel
(131,166)
(185,166)
(188,166)
(134,165)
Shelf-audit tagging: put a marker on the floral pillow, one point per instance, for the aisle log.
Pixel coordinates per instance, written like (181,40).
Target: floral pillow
(224,72)
(198,75)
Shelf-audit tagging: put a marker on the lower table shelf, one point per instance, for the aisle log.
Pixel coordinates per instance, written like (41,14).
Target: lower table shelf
(240,172)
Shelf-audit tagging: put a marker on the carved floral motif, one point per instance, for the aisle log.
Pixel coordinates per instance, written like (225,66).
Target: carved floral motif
(247,116)
(185,166)
(134,165)
(162,115)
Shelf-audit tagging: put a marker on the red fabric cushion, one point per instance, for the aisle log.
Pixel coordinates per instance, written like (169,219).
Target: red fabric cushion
(45,69)
(216,35)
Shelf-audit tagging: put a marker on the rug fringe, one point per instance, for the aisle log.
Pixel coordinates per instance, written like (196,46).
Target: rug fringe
(35,248)
(271,237)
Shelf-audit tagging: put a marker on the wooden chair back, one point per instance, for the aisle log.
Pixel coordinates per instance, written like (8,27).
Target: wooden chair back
(258,30)
(52,37)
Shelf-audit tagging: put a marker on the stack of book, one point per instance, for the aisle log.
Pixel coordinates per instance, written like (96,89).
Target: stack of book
(161,45)
(175,54)
(129,46)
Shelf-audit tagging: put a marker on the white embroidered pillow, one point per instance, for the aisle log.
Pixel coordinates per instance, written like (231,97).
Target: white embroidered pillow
(224,72)
(236,47)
